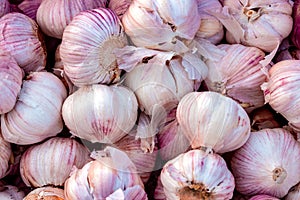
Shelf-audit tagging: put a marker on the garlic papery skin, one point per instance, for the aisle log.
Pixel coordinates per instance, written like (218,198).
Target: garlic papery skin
(263,164)
(213,121)
(11,76)
(46,193)
(281,90)
(37,113)
(210,27)
(239,75)
(5,7)
(197,175)
(263,197)
(111,174)
(161,24)
(87,47)
(5,156)
(51,162)
(61,13)
(261,24)
(294,193)
(119,6)
(21,37)
(100,113)
(11,192)
(30,7)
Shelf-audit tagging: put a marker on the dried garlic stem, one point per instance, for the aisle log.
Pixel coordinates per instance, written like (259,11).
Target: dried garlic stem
(279,175)
(195,192)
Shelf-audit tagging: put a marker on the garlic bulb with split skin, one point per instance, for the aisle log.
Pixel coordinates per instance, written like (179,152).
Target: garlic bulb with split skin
(212,121)
(51,162)
(21,37)
(61,13)
(263,164)
(197,175)
(45,193)
(87,47)
(37,113)
(100,113)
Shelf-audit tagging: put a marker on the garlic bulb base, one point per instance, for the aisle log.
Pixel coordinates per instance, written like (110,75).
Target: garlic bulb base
(195,192)
(279,175)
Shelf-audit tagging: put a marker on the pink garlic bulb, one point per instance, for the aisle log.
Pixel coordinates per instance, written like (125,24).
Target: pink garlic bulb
(162,24)
(21,37)
(61,13)
(11,192)
(119,6)
(30,7)
(110,176)
(4,8)
(212,121)
(51,162)
(11,76)
(45,193)
(100,113)
(6,153)
(87,47)
(263,164)
(263,197)
(238,74)
(294,193)
(37,113)
(197,175)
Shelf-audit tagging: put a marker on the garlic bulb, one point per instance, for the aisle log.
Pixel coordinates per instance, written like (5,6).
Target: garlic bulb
(51,162)
(21,37)
(11,76)
(212,121)
(110,176)
(197,175)
(294,193)
(281,90)
(87,53)
(61,13)
(4,8)
(159,193)
(263,164)
(30,7)
(11,192)
(262,24)
(263,197)
(46,193)
(162,24)
(100,113)
(238,74)
(210,27)
(5,156)
(37,113)
(119,6)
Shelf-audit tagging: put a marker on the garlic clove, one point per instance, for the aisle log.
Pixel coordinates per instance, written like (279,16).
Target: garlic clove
(119,6)
(29,7)
(45,193)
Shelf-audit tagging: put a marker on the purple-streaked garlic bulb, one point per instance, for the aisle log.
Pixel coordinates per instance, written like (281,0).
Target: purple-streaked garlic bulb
(61,12)
(100,113)
(159,193)
(263,164)
(46,193)
(262,24)
(119,6)
(51,162)
(294,193)
(4,7)
(210,27)
(263,197)
(87,47)
(281,90)
(11,76)
(197,175)
(238,74)
(6,153)
(11,192)
(37,113)
(21,37)
(110,176)
(162,24)
(213,121)
(30,7)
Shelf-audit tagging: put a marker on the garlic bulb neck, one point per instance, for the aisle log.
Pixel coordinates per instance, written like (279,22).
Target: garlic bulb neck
(279,175)
(252,14)
(195,191)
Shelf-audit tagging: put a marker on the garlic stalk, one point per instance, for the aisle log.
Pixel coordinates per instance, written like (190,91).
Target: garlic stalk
(5,156)
(37,113)
(162,24)
(111,176)
(44,193)
(11,76)
(262,165)
(197,175)
(119,6)
(5,7)
(87,47)
(100,113)
(21,37)
(11,192)
(30,7)
(51,162)
(212,121)
(61,13)
(294,193)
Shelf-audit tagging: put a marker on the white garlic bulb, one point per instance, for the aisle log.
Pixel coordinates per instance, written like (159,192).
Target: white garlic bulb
(11,76)
(46,193)
(61,13)
(4,8)
(51,162)
(162,24)
(5,156)
(263,164)
(100,113)
(37,113)
(87,47)
(212,121)
(197,175)
(21,37)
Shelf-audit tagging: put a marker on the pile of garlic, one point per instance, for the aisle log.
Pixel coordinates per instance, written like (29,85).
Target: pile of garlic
(148,99)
